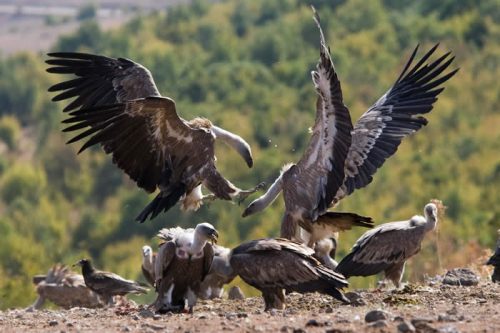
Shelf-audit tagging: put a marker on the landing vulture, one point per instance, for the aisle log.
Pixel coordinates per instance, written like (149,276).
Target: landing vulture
(387,247)
(148,264)
(276,265)
(118,106)
(107,284)
(181,265)
(310,185)
(495,262)
(341,158)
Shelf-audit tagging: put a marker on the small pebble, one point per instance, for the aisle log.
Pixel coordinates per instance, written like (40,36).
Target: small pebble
(53,323)
(375,315)
(406,327)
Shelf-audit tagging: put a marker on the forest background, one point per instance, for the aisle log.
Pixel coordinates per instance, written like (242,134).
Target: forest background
(246,66)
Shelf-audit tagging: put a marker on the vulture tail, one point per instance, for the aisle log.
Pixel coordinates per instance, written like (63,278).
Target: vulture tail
(165,200)
(345,221)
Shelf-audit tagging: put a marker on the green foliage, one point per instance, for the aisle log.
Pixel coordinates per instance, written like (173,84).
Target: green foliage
(87,12)
(246,66)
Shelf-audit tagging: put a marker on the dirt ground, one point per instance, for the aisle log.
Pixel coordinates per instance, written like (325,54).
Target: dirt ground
(432,307)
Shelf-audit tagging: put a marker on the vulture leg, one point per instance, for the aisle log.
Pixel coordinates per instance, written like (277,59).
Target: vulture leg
(191,300)
(395,273)
(274,298)
(243,194)
(38,303)
(495,277)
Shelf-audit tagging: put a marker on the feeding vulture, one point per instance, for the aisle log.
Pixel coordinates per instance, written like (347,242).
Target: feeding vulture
(325,251)
(341,158)
(148,264)
(182,263)
(495,262)
(277,264)
(107,284)
(118,105)
(387,247)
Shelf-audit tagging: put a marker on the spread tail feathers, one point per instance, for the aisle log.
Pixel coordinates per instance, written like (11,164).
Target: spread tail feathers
(163,202)
(345,221)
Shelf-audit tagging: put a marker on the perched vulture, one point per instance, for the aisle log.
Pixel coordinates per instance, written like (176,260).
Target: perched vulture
(220,274)
(182,263)
(387,247)
(276,265)
(64,288)
(341,158)
(118,105)
(495,262)
(107,284)
(148,264)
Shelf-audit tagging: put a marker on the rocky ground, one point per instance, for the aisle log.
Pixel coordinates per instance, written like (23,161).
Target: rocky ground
(430,307)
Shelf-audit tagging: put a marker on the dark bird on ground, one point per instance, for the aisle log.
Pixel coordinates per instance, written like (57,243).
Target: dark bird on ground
(495,262)
(387,247)
(64,288)
(107,284)
(148,264)
(118,105)
(220,274)
(341,158)
(277,264)
(182,263)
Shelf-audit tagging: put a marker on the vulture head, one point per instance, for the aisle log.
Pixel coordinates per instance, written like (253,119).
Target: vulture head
(431,212)
(188,247)
(82,262)
(207,232)
(147,251)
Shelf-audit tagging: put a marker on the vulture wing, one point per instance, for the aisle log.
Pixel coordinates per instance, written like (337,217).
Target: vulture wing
(146,137)
(321,168)
(380,130)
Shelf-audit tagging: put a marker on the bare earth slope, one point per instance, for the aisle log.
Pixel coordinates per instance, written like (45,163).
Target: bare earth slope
(429,308)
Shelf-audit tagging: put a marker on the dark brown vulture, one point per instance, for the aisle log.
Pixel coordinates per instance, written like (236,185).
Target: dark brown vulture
(182,263)
(341,158)
(107,284)
(495,262)
(118,106)
(387,247)
(277,264)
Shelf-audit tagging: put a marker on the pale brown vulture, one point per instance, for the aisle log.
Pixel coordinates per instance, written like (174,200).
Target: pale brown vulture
(148,264)
(387,247)
(220,274)
(182,263)
(118,105)
(107,284)
(341,158)
(276,264)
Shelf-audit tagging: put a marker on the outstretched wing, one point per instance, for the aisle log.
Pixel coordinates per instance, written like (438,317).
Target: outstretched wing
(380,130)
(100,80)
(146,137)
(321,168)
(380,248)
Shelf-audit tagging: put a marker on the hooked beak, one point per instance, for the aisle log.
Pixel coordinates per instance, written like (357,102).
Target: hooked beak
(214,236)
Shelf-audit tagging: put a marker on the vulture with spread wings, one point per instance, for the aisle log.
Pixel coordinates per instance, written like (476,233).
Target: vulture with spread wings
(117,104)
(341,158)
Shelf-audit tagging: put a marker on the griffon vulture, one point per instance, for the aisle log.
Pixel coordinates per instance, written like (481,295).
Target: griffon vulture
(387,247)
(107,284)
(276,265)
(341,158)
(118,105)
(182,263)
(148,264)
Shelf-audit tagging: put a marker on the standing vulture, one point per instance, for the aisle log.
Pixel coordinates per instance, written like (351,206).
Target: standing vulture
(220,274)
(341,158)
(107,284)
(181,265)
(118,105)
(387,247)
(495,262)
(276,265)
(148,264)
